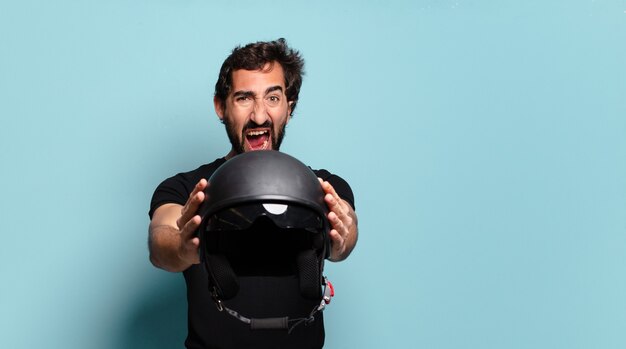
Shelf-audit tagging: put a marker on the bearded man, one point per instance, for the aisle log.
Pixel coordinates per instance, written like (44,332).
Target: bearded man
(255,96)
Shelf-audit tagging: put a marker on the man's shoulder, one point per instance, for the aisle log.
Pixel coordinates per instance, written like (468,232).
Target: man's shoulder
(189,179)
(176,189)
(203,171)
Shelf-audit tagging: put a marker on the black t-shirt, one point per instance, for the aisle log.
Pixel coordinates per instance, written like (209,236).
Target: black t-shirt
(258,296)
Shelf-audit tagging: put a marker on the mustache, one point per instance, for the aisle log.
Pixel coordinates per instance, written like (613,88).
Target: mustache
(252,125)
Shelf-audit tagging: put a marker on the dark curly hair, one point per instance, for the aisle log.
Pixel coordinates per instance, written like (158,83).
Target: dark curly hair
(255,56)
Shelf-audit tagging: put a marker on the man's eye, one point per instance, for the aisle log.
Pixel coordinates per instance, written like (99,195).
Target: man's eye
(273,99)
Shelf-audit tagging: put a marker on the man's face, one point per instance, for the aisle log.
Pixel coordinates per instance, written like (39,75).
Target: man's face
(256,110)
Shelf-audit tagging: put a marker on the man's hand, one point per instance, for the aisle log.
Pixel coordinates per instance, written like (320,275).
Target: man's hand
(343,221)
(173,243)
(188,223)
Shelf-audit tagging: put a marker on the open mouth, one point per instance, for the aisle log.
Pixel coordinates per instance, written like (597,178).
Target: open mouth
(258,139)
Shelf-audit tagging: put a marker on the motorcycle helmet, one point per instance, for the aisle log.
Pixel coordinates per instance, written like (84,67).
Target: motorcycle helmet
(264,212)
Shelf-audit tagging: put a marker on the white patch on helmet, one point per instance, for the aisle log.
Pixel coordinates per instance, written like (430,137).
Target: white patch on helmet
(275,209)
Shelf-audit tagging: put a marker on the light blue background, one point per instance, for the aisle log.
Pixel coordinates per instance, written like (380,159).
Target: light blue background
(485,142)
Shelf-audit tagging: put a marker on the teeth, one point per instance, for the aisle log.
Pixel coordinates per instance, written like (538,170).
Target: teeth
(264,145)
(256,133)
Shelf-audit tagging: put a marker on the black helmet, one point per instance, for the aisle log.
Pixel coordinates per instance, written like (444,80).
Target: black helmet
(264,211)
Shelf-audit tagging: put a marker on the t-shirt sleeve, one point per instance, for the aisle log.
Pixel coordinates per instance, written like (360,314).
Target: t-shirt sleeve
(341,186)
(174,190)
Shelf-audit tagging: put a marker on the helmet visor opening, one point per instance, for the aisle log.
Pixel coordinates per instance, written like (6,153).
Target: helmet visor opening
(262,249)
(283,215)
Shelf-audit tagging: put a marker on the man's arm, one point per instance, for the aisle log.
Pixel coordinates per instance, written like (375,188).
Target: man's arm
(344,224)
(172,241)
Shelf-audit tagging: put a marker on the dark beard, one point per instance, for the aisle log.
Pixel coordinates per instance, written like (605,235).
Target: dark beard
(238,142)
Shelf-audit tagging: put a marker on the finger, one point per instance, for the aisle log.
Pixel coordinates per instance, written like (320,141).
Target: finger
(190,251)
(190,209)
(191,206)
(335,221)
(329,189)
(336,206)
(195,244)
(198,187)
(339,228)
(338,244)
(336,238)
(189,230)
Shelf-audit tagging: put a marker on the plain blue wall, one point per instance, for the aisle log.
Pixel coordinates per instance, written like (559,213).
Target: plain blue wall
(485,142)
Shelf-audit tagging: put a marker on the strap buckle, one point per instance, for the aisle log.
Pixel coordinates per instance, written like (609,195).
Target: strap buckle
(216,299)
(329,293)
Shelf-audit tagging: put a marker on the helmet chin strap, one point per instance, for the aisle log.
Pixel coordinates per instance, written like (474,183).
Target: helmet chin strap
(277,323)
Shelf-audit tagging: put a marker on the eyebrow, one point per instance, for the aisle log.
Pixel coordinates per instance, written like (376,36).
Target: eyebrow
(273,88)
(244,93)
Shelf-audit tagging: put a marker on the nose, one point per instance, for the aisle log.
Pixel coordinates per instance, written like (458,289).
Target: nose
(259,114)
